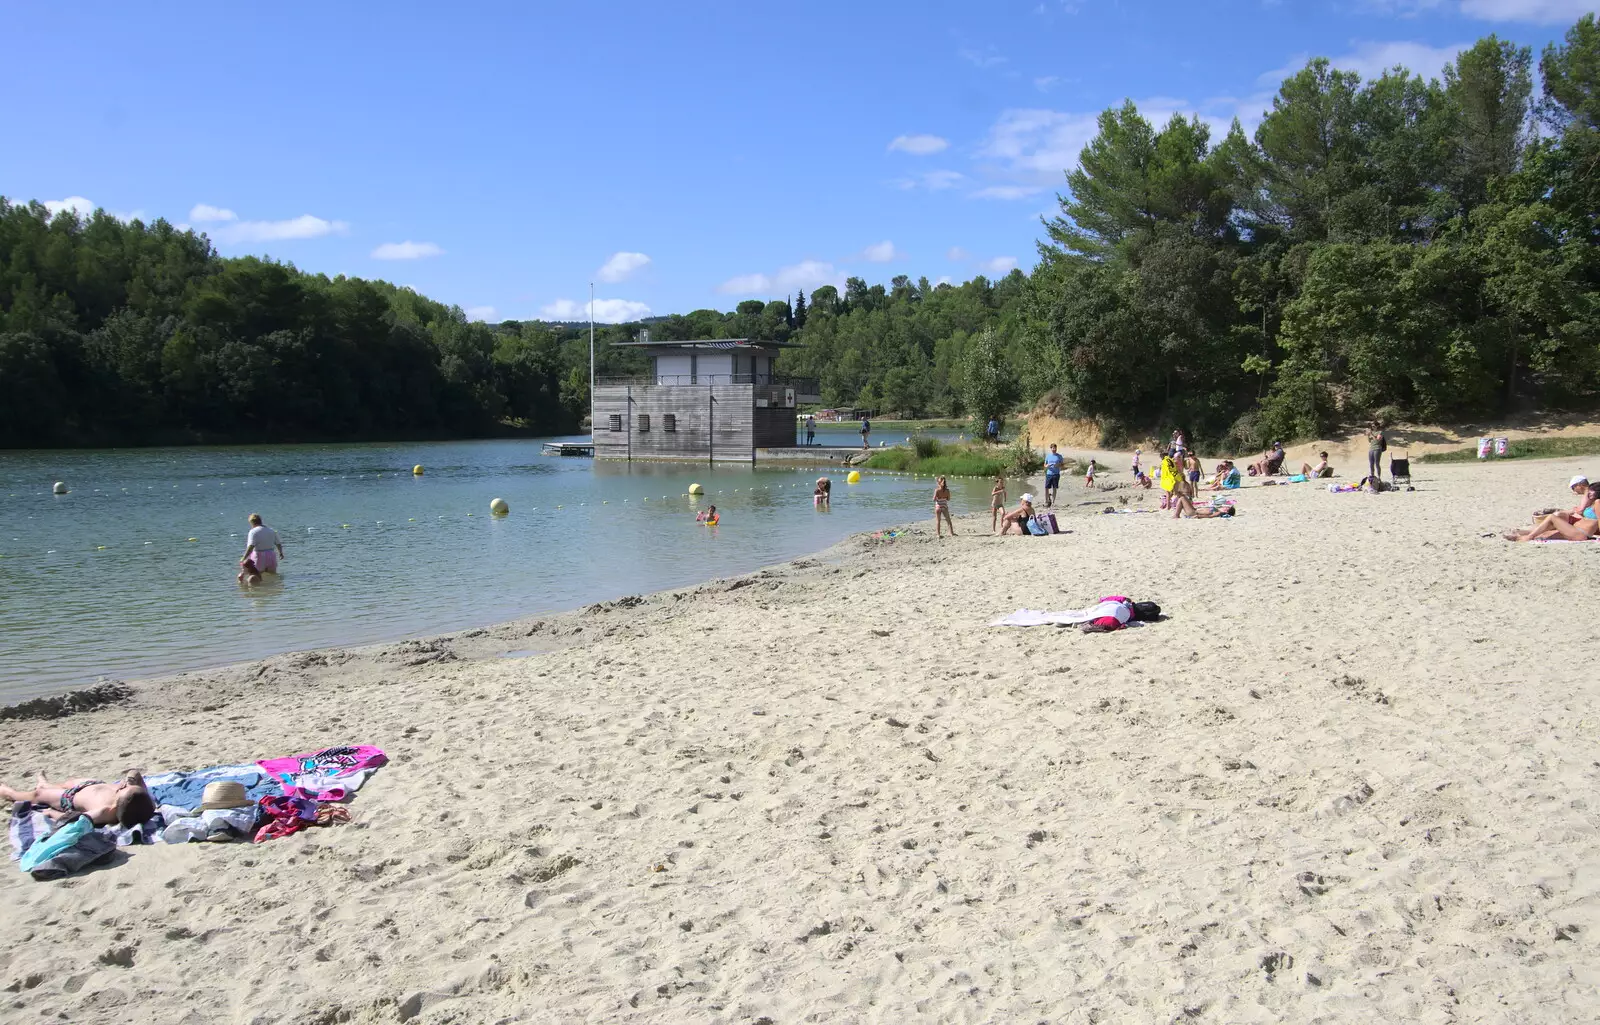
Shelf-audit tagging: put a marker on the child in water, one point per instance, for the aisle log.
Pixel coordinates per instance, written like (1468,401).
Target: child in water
(997,501)
(822,497)
(709,517)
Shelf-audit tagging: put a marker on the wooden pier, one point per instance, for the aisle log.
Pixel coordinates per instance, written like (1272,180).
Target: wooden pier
(569,448)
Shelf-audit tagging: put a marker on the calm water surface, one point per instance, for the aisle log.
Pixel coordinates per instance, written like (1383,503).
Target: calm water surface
(131,574)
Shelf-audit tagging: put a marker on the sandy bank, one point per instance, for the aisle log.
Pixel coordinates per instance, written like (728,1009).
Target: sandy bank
(1351,779)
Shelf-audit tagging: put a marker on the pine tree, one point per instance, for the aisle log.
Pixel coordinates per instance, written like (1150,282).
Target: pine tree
(799,309)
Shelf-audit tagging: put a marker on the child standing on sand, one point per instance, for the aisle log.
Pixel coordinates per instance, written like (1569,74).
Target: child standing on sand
(997,501)
(941,507)
(1088,473)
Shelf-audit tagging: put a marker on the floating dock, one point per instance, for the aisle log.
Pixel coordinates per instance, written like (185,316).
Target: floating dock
(569,448)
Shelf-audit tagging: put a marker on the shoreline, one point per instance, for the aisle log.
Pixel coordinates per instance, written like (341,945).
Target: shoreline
(1348,777)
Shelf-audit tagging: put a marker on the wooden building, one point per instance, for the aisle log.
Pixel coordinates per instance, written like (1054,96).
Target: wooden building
(713,400)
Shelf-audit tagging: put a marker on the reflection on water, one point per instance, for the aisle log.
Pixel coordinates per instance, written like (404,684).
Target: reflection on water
(106,580)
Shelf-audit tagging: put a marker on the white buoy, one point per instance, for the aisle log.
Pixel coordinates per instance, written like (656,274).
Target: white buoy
(60,488)
(498,507)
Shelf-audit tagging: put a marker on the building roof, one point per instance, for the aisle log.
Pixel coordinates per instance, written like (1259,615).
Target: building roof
(709,343)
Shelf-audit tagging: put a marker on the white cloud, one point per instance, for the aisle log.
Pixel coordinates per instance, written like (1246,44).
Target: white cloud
(606,311)
(1371,59)
(998,267)
(944,279)
(406,250)
(955,254)
(85,209)
(205,213)
(1030,148)
(302,227)
(919,145)
(1044,82)
(806,274)
(621,266)
(1544,12)
(1008,192)
(988,57)
(480,313)
(933,181)
(881,252)
(77,204)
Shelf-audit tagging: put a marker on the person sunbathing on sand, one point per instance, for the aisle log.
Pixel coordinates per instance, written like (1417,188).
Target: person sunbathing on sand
(125,802)
(1322,469)
(1018,517)
(1582,527)
(1217,507)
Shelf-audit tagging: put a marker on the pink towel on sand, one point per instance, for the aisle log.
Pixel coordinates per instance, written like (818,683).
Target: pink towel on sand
(319,772)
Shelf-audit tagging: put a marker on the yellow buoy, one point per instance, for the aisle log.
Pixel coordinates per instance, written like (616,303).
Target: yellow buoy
(695,489)
(854,478)
(416,471)
(499,507)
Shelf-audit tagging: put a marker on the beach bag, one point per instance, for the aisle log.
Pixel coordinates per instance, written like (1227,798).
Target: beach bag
(1038,526)
(1055,528)
(1146,611)
(1485,446)
(1500,446)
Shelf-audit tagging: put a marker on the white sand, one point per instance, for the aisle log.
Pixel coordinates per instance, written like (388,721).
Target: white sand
(1351,779)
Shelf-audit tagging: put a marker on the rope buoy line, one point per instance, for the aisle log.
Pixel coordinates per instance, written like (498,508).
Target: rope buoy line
(862,478)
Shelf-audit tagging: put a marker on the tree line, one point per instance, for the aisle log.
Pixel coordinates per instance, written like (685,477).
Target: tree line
(1401,249)
(1397,249)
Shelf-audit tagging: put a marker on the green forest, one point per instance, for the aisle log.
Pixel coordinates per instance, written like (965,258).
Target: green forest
(1400,248)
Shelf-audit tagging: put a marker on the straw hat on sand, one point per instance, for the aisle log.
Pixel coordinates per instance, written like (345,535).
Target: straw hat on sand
(225,793)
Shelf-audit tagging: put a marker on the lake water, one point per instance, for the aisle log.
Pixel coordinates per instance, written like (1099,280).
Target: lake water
(131,574)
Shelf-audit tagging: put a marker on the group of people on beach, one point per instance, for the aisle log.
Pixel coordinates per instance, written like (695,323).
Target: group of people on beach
(1580,523)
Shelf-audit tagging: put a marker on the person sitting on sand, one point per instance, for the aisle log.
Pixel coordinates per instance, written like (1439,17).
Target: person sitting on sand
(822,497)
(262,551)
(709,517)
(1583,527)
(1227,476)
(125,802)
(1271,461)
(1018,517)
(941,507)
(1322,469)
(997,501)
(1579,486)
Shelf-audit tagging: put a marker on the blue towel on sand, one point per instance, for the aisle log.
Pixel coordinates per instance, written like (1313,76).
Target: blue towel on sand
(185,789)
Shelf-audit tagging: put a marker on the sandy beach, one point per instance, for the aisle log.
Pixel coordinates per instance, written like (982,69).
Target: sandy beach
(1350,778)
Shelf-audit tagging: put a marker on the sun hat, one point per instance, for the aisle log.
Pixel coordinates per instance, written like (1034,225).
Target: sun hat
(1578,481)
(1028,499)
(224,793)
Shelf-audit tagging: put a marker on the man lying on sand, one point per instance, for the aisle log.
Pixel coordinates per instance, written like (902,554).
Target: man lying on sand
(1578,524)
(125,802)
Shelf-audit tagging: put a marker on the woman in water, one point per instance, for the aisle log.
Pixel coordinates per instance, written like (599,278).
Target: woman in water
(709,517)
(822,497)
(262,551)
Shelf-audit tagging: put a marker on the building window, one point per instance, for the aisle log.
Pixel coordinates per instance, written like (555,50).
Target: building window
(616,421)
(644,423)
(669,423)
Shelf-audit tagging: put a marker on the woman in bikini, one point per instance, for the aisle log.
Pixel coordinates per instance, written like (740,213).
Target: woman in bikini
(941,508)
(1580,525)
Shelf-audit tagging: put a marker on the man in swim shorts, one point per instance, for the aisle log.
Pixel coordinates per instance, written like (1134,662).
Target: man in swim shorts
(125,802)
(1052,475)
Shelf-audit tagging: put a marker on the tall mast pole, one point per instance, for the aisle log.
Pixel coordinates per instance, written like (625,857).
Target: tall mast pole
(591,359)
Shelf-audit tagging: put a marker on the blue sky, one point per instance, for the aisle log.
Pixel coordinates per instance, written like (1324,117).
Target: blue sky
(503,156)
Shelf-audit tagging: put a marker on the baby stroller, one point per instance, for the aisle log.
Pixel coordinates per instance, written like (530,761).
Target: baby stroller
(1400,468)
